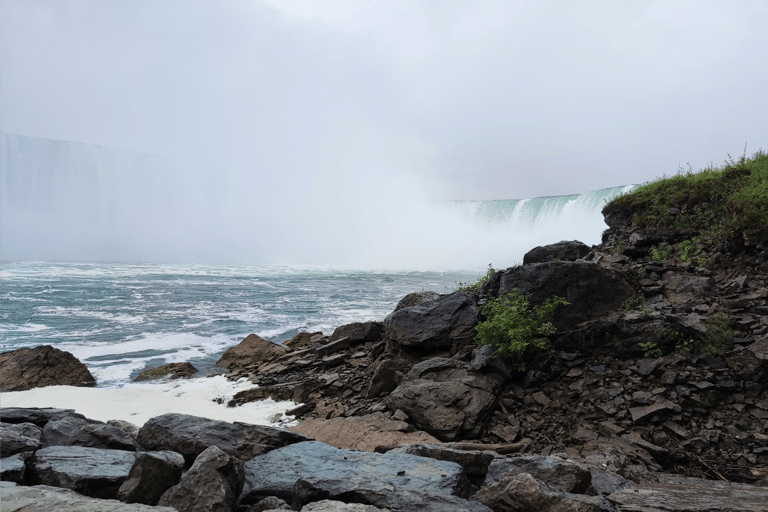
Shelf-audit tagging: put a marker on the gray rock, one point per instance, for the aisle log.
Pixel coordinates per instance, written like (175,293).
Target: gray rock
(28,368)
(339,506)
(170,370)
(191,435)
(38,416)
(442,397)
(14,468)
(475,463)
(42,498)
(74,431)
(94,472)
(336,472)
(387,374)
(522,492)
(359,332)
(151,475)
(416,299)
(561,251)
(126,426)
(442,323)
(560,474)
(213,484)
(270,503)
(692,495)
(22,437)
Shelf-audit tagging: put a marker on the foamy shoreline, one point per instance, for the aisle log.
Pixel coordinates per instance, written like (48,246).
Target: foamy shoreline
(138,402)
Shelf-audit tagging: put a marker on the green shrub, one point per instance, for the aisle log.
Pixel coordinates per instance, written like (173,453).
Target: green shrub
(478,285)
(517,331)
(632,303)
(660,253)
(650,349)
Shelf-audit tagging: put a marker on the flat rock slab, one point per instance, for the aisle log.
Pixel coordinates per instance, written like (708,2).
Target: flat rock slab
(337,472)
(39,416)
(93,472)
(42,498)
(692,495)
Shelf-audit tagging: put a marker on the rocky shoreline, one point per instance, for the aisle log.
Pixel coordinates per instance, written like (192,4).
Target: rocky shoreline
(654,398)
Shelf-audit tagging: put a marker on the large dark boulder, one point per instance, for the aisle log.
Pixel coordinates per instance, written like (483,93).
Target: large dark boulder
(170,370)
(191,435)
(90,471)
(338,473)
(22,437)
(359,332)
(28,368)
(213,483)
(438,324)
(591,290)
(38,416)
(74,431)
(151,475)
(444,398)
(252,349)
(561,251)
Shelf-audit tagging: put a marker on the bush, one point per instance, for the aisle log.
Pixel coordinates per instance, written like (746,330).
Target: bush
(517,331)
(478,285)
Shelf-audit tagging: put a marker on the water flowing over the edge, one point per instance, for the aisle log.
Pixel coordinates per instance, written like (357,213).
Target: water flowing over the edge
(65,201)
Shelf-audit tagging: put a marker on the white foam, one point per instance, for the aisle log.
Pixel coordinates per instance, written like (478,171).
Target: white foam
(138,402)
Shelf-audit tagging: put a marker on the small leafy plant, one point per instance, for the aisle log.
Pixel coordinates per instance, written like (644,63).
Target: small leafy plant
(661,253)
(632,303)
(650,349)
(478,285)
(517,331)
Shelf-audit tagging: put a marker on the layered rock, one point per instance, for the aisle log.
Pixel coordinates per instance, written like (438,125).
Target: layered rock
(171,370)
(28,368)
(252,349)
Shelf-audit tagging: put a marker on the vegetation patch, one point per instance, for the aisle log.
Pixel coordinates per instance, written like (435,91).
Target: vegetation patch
(478,285)
(518,332)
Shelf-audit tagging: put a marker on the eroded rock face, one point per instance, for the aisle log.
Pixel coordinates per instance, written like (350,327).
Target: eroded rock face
(191,435)
(590,289)
(28,368)
(212,483)
(171,370)
(341,472)
(438,324)
(253,349)
(74,431)
(561,251)
(90,471)
(444,398)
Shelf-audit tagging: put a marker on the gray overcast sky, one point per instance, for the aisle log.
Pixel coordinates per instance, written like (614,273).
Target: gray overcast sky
(475,100)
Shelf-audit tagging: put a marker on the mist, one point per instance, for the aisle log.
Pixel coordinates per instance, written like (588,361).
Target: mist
(334,132)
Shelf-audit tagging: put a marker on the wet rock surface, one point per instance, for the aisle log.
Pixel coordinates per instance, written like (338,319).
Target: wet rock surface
(171,370)
(28,368)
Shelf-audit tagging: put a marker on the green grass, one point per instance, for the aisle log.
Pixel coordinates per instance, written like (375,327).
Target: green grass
(728,201)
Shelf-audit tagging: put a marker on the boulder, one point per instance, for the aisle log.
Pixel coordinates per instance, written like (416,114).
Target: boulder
(339,506)
(126,426)
(151,475)
(42,498)
(191,435)
(35,415)
(213,483)
(252,350)
(336,473)
(591,290)
(74,431)
(28,368)
(359,332)
(364,433)
(269,504)
(93,472)
(438,324)
(303,340)
(14,468)
(444,398)
(561,251)
(171,370)
(560,474)
(475,463)
(387,374)
(22,437)
(522,492)
(416,299)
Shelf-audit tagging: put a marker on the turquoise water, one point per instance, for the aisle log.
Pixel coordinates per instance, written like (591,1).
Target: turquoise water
(120,318)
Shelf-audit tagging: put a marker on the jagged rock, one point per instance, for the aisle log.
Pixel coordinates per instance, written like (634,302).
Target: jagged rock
(94,472)
(191,435)
(269,504)
(339,506)
(561,251)
(522,492)
(28,368)
(74,431)
(278,392)
(445,399)
(364,433)
(151,475)
(126,426)
(559,474)
(212,483)
(590,289)
(341,472)
(22,437)
(359,332)
(303,340)
(39,416)
(484,360)
(14,468)
(387,374)
(253,349)
(172,370)
(692,495)
(441,323)
(42,498)
(475,463)
(416,299)
(402,499)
